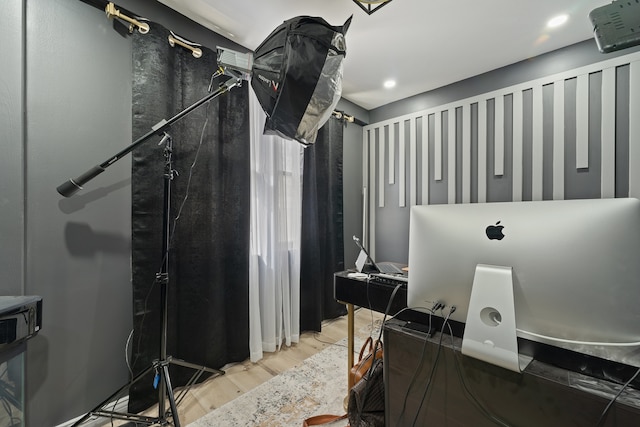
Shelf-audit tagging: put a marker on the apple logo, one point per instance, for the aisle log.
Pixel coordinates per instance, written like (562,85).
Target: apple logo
(494,232)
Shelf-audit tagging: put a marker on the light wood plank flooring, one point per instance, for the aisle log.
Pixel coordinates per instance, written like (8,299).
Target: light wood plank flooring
(242,377)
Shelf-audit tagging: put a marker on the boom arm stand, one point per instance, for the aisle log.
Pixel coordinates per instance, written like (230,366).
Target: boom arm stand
(161,366)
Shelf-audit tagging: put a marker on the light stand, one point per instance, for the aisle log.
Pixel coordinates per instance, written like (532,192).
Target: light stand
(161,366)
(297,77)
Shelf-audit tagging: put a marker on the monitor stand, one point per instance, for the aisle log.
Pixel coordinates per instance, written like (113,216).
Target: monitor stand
(490,330)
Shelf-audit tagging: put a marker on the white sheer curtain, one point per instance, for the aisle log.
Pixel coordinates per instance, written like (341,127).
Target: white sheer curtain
(274,265)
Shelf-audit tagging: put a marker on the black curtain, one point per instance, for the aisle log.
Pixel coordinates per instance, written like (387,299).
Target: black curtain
(209,253)
(322,247)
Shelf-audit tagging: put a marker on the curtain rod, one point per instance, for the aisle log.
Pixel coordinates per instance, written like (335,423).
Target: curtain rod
(341,115)
(143,28)
(112,12)
(175,39)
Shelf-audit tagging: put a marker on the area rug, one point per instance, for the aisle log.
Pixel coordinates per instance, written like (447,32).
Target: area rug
(316,386)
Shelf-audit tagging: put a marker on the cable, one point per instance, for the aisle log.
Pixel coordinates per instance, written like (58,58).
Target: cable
(172,233)
(193,165)
(375,348)
(604,414)
(466,388)
(435,363)
(415,373)
(126,352)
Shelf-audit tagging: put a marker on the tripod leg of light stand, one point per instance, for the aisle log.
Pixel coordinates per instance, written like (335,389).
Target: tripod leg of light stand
(200,369)
(179,362)
(99,411)
(172,400)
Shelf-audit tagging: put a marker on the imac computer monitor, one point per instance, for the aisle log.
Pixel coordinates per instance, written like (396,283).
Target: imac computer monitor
(575,268)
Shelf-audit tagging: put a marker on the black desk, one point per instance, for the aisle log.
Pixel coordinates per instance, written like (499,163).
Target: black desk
(375,295)
(368,293)
(429,381)
(364,293)
(570,398)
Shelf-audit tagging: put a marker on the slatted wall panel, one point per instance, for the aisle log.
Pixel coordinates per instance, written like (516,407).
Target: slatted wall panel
(543,139)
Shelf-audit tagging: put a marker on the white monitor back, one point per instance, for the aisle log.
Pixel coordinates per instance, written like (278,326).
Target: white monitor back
(576,268)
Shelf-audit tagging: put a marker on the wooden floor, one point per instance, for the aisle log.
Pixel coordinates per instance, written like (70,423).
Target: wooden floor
(242,377)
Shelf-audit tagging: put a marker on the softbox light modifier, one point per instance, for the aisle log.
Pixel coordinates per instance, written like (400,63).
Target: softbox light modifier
(297,76)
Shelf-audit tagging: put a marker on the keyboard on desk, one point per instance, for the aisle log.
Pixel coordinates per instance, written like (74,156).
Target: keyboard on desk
(390,279)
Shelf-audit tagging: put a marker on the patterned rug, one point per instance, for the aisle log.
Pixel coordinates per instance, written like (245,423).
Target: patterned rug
(316,386)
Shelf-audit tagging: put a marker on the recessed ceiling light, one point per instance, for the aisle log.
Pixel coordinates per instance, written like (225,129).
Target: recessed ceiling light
(390,84)
(557,21)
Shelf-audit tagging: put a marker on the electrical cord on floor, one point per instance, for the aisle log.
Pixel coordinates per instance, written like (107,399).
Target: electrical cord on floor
(466,388)
(317,334)
(605,412)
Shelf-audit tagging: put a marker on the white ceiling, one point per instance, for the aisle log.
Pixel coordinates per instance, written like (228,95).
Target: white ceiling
(423,44)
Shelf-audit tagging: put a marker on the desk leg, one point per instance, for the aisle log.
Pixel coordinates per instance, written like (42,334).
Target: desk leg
(350,343)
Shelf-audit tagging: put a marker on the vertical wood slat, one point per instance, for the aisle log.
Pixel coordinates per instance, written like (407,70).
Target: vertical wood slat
(451,155)
(392,153)
(557,166)
(381,165)
(558,140)
(582,122)
(466,153)
(537,146)
(517,155)
(402,177)
(498,143)
(365,158)
(365,185)
(371,244)
(608,133)
(425,160)
(437,147)
(482,151)
(413,163)
(634,129)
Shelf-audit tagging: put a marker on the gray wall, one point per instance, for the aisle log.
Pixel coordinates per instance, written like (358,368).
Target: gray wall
(352,179)
(65,106)
(11,157)
(390,231)
(577,55)
(78,250)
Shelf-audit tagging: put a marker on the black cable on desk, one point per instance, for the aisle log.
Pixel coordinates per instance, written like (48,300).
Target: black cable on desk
(417,370)
(605,412)
(474,400)
(435,364)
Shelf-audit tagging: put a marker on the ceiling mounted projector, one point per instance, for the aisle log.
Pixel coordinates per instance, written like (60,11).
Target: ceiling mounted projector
(616,26)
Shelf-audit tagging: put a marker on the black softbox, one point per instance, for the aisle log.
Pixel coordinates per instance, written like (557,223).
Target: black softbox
(297,76)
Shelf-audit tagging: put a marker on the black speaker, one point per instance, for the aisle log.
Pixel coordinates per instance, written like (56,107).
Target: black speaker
(616,26)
